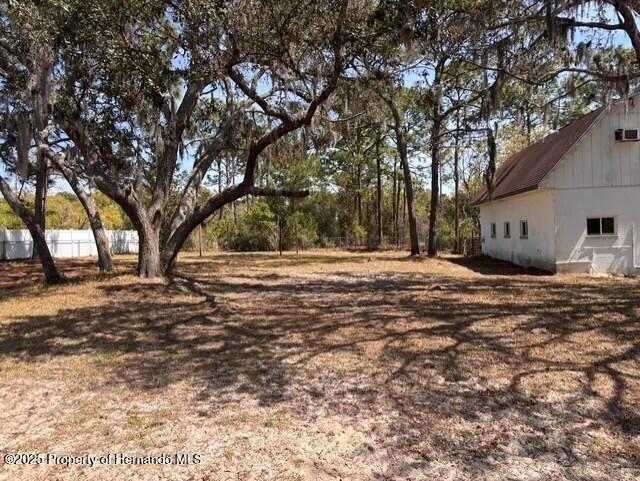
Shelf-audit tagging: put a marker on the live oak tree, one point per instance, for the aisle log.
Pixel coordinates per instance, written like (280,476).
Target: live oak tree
(279,62)
(24,69)
(27,64)
(578,37)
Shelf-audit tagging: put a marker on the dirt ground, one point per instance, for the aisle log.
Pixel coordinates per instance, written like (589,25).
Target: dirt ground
(322,366)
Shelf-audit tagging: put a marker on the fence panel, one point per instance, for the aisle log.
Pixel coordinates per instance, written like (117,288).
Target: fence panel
(17,244)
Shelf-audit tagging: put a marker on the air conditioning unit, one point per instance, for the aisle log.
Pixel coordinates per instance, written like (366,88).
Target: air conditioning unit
(627,135)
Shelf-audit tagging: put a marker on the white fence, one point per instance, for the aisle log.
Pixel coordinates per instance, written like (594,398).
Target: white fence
(17,244)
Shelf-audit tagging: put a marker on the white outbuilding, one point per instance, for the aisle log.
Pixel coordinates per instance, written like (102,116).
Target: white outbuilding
(571,201)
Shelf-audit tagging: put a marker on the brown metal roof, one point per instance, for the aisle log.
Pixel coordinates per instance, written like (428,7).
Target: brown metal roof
(524,170)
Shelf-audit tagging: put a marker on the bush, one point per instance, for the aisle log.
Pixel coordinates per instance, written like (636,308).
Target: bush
(258,229)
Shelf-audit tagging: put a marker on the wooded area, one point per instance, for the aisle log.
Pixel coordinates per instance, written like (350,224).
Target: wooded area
(287,124)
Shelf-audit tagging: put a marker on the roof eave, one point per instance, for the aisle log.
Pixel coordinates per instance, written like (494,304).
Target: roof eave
(514,193)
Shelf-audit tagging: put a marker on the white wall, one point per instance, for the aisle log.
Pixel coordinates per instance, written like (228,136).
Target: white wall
(17,244)
(539,248)
(577,252)
(597,160)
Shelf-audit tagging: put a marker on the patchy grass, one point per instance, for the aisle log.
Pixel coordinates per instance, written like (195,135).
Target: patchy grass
(323,365)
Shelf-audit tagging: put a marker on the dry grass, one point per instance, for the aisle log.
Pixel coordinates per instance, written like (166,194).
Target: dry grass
(325,365)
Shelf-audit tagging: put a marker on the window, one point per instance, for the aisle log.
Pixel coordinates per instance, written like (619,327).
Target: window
(493,230)
(524,229)
(593,226)
(608,225)
(507,230)
(601,226)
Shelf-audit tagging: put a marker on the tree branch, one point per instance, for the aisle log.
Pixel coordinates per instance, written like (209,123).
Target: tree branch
(266,192)
(249,91)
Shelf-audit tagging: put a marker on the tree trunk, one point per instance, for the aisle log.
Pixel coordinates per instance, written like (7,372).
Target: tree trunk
(149,265)
(398,217)
(51,274)
(403,218)
(408,185)
(411,208)
(147,226)
(456,187)
(221,212)
(490,173)
(40,209)
(394,211)
(280,235)
(49,268)
(378,193)
(105,262)
(234,210)
(432,246)
(359,194)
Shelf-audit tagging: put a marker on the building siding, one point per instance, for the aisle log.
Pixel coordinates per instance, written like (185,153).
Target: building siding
(597,160)
(578,252)
(538,249)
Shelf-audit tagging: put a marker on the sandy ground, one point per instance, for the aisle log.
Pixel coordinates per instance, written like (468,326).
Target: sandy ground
(321,366)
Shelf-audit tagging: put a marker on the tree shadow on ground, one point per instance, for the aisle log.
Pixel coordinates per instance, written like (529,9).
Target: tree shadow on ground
(20,276)
(494,267)
(469,358)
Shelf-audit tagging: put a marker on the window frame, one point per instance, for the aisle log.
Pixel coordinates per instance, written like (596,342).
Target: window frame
(601,233)
(506,229)
(493,230)
(525,234)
